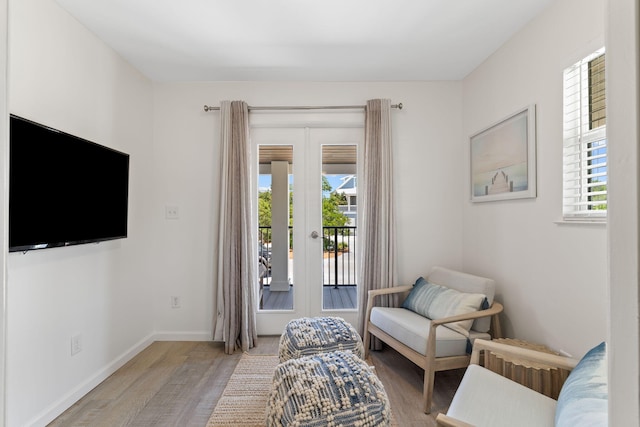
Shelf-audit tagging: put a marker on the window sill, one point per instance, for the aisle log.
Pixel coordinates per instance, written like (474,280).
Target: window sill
(584,221)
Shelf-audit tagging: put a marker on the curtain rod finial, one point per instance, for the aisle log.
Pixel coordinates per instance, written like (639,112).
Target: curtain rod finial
(400,106)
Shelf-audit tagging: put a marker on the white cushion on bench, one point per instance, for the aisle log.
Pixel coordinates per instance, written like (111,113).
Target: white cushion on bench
(487,399)
(412,329)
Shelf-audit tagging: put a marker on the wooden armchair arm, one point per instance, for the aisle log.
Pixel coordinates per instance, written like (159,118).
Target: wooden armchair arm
(431,336)
(521,354)
(386,291)
(391,290)
(494,309)
(372,294)
(443,420)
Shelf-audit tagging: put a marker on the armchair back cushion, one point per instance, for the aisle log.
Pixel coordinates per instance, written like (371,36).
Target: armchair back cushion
(583,400)
(467,283)
(437,302)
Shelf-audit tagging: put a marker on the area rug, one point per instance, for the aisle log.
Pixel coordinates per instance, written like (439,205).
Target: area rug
(244,400)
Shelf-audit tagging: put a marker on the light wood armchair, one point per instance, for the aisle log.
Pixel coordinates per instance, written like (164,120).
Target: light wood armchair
(521,358)
(429,360)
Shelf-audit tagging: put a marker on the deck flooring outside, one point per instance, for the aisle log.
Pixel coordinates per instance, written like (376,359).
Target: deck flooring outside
(340,298)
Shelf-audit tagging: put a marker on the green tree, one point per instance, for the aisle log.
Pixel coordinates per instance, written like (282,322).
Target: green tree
(331,215)
(326,187)
(264,208)
(599,198)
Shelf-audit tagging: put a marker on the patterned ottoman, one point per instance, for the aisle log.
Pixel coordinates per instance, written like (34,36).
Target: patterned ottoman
(312,335)
(328,389)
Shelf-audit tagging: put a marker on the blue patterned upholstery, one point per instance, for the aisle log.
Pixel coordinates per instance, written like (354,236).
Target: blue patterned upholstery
(328,389)
(312,335)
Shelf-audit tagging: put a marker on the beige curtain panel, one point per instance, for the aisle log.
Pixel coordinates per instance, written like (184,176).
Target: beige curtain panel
(234,320)
(377,230)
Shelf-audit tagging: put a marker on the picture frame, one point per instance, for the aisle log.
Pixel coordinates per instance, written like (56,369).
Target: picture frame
(503,158)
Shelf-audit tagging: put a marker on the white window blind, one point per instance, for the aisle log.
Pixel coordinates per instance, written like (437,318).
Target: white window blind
(585,140)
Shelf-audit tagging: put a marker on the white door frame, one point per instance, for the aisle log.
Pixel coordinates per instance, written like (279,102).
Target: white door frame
(317,138)
(307,140)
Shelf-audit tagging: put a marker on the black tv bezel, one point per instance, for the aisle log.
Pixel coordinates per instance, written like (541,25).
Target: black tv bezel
(47,245)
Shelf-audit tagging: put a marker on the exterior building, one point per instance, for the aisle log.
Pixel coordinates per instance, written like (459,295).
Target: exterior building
(349,188)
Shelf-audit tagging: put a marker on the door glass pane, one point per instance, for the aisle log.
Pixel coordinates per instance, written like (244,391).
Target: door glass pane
(339,223)
(275,219)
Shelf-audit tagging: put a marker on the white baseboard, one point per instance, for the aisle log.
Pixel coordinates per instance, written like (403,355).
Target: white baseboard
(74,395)
(183,336)
(64,403)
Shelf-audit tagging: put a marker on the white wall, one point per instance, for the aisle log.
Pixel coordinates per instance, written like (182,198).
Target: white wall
(552,278)
(4,144)
(186,140)
(623,104)
(62,76)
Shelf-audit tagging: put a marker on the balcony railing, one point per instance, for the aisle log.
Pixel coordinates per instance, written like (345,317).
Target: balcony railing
(339,253)
(348,208)
(339,250)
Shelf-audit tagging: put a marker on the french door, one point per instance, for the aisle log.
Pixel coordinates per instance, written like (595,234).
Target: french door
(305,201)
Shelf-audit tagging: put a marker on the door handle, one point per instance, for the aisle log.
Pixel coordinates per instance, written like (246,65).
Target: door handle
(314,235)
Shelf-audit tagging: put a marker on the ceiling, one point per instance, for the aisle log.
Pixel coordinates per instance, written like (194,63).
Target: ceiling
(304,40)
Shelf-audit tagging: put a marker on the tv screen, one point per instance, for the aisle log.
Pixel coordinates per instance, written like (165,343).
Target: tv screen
(63,190)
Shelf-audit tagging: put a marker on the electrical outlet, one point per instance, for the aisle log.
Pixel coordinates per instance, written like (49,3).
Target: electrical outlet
(171,212)
(76,344)
(175,302)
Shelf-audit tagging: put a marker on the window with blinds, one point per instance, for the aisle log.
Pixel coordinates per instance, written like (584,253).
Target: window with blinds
(585,140)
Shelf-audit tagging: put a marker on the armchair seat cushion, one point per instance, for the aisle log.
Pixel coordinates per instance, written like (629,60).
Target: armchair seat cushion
(485,398)
(412,329)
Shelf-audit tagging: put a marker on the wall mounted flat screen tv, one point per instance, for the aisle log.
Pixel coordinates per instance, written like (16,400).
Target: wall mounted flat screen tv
(63,190)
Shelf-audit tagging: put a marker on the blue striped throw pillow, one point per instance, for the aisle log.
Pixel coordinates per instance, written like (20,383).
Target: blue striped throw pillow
(437,302)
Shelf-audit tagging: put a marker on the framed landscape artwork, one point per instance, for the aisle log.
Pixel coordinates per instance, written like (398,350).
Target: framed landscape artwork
(503,159)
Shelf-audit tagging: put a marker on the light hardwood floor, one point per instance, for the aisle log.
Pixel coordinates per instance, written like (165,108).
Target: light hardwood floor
(179,383)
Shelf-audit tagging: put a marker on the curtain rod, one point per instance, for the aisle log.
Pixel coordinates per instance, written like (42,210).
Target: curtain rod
(307,107)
